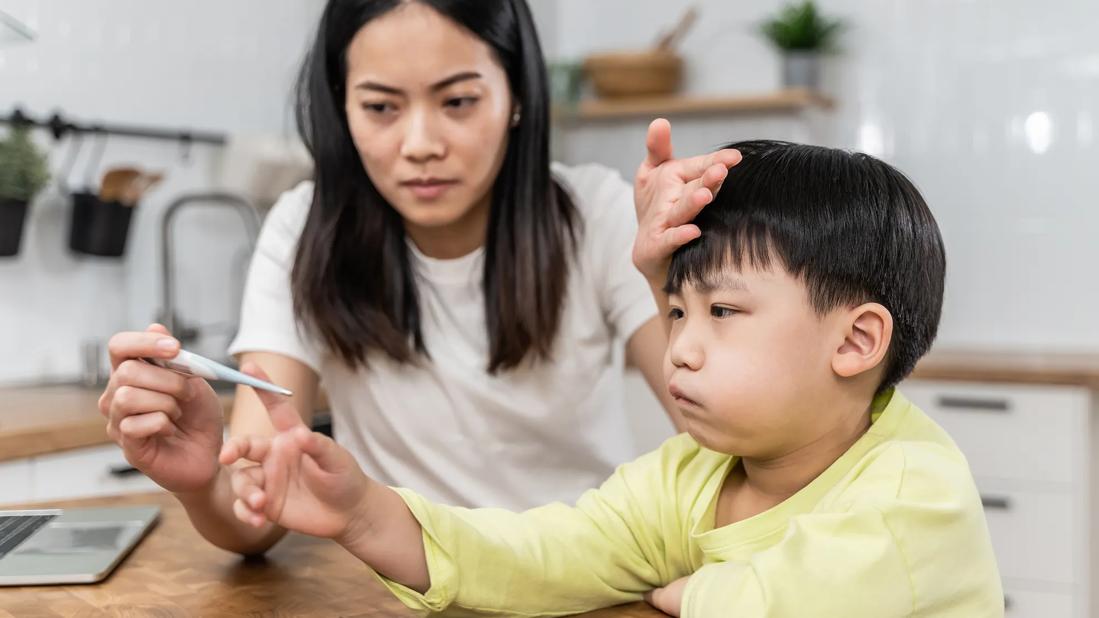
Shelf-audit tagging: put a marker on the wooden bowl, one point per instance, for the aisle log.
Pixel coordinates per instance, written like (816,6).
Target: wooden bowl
(617,75)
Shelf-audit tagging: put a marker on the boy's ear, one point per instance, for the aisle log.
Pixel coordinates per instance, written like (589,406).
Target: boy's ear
(868,331)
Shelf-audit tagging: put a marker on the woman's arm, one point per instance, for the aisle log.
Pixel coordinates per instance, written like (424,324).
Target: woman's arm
(645,350)
(211,509)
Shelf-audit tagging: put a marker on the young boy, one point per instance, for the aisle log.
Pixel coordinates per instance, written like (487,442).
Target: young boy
(805,486)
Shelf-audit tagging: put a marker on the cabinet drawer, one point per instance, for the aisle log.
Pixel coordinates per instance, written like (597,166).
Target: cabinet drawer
(1022,603)
(1031,433)
(1037,536)
(85,472)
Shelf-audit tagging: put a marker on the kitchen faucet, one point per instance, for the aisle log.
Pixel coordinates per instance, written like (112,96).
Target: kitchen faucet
(168,315)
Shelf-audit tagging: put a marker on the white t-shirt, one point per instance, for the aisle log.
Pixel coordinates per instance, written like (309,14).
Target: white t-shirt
(445,427)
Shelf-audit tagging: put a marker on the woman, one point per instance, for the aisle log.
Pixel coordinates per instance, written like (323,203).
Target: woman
(460,296)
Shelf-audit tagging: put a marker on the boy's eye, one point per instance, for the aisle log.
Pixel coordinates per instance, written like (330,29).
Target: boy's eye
(718,311)
(675,313)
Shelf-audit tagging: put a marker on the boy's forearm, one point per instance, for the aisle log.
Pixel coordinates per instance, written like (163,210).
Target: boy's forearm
(386,536)
(211,513)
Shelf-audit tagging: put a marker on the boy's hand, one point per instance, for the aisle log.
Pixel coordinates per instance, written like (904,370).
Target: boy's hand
(668,599)
(304,481)
(668,194)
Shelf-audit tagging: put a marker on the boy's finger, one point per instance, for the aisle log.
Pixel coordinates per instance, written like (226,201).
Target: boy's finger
(247,515)
(252,448)
(321,449)
(283,415)
(658,143)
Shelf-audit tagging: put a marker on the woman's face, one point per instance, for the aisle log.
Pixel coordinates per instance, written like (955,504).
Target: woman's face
(429,108)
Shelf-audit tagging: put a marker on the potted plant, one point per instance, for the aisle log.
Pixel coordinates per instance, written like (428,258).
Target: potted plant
(23,173)
(801,33)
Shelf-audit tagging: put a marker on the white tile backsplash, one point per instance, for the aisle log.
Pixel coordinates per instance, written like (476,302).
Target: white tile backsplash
(203,65)
(990,106)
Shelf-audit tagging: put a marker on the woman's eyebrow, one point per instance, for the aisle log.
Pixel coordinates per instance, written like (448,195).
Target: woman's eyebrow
(439,85)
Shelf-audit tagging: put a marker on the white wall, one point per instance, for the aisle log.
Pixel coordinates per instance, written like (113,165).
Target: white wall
(991,106)
(203,64)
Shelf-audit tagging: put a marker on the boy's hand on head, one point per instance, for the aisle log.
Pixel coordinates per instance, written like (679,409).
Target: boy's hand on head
(668,599)
(302,480)
(668,194)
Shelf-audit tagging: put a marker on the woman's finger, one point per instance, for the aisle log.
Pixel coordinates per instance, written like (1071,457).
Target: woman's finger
(695,167)
(133,401)
(658,143)
(694,199)
(149,344)
(142,426)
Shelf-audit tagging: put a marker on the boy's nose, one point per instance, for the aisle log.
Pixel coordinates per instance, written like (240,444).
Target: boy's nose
(685,350)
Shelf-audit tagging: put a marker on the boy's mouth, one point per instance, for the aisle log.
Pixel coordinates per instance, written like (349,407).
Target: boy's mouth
(681,397)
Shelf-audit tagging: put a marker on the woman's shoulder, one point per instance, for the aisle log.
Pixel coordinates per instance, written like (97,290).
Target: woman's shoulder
(288,215)
(596,190)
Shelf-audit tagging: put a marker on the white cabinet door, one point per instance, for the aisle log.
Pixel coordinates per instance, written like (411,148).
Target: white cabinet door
(1012,432)
(85,472)
(16,481)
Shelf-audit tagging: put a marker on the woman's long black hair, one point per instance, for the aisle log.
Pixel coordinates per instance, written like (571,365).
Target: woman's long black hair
(353,279)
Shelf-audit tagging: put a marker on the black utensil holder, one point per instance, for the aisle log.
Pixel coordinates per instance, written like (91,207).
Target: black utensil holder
(99,228)
(13,214)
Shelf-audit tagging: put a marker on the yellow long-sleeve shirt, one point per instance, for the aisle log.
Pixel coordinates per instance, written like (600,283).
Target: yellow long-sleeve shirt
(894,527)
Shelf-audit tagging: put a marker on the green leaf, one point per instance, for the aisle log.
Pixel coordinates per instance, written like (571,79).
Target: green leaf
(24,169)
(799,26)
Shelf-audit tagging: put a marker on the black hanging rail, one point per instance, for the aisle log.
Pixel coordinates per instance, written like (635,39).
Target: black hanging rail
(59,126)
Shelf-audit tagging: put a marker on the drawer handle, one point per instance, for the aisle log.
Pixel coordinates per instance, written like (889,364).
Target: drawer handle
(974,403)
(1000,503)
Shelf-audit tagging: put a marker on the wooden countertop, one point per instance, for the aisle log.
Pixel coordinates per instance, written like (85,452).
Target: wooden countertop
(174,572)
(1056,368)
(49,419)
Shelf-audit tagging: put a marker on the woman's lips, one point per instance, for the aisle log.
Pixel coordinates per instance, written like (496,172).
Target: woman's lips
(428,189)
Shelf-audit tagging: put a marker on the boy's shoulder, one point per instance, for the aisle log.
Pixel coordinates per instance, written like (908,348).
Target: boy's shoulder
(914,461)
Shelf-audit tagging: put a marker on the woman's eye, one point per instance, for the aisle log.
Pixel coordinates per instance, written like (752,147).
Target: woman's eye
(378,108)
(461,102)
(718,311)
(675,313)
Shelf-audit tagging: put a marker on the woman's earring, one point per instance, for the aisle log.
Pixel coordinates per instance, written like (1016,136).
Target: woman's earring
(516,116)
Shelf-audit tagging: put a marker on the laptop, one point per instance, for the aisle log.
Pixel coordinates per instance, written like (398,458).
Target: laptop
(68,546)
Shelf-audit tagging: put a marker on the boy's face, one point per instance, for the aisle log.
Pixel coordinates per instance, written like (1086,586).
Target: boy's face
(749,362)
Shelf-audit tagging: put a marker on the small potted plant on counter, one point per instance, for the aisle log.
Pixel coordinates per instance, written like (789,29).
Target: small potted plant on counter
(801,33)
(23,173)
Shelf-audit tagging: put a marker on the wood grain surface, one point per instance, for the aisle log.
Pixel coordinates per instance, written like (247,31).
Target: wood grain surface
(175,572)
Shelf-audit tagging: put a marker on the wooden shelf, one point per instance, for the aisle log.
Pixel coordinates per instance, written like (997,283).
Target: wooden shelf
(612,109)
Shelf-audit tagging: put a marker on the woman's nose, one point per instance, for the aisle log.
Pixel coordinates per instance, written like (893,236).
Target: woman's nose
(422,141)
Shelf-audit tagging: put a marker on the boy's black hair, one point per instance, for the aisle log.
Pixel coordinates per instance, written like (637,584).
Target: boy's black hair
(853,228)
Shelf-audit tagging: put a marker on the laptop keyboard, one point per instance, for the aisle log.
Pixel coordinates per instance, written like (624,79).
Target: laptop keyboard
(14,529)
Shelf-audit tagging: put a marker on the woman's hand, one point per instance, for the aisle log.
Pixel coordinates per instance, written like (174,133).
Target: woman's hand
(302,480)
(668,599)
(668,194)
(168,425)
